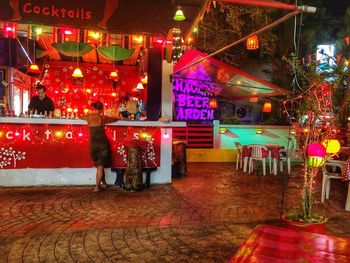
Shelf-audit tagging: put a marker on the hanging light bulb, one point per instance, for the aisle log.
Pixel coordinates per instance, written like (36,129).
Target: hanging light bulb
(34,69)
(77,73)
(179,15)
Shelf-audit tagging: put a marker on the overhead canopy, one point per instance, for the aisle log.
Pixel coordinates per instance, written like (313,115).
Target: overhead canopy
(221,79)
(263,3)
(120,16)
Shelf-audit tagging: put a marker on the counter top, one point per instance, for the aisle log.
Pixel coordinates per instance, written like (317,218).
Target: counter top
(82,122)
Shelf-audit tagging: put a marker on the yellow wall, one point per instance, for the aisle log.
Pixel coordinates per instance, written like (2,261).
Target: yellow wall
(211,155)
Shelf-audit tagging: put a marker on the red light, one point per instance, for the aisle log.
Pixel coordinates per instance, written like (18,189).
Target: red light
(159,41)
(80,134)
(68,32)
(9,29)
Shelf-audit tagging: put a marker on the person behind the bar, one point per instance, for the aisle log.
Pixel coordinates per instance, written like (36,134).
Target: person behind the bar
(41,104)
(99,143)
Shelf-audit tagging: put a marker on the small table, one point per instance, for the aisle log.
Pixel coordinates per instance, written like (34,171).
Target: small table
(274,244)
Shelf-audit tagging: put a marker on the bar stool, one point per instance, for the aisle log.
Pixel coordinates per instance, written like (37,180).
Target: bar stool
(179,157)
(133,171)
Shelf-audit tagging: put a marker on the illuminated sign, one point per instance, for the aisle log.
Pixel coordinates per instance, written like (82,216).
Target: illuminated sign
(191,103)
(325,57)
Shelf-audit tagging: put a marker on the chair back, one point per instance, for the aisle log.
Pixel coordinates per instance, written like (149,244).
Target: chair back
(238,145)
(334,168)
(272,144)
(257,150)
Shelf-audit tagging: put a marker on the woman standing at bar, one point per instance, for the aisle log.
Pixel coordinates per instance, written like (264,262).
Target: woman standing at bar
(99,143)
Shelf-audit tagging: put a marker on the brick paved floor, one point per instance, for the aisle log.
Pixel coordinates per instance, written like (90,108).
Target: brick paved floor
(203,217)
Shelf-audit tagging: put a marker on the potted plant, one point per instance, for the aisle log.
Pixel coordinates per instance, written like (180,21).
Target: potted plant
(313,125)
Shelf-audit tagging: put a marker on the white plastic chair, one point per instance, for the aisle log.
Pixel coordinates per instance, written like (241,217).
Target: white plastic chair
(239,159)
(273,167)
(335,171)
(285,157)
(257,155)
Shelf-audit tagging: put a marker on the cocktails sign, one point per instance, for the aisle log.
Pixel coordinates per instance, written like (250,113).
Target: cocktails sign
(191,102)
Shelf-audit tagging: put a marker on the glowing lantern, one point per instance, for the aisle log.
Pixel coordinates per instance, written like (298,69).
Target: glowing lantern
(77,73)
(86,111)
(88,91)
(316,161)
(332,146)
(213,104)
(253,99)
(252,42)
(34,69)
(267,107)
(316,150)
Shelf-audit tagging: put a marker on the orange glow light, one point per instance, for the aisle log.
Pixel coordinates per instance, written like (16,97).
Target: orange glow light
(267,107)
(252,43)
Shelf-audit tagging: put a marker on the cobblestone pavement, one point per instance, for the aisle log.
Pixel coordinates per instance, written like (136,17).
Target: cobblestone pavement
(203,217)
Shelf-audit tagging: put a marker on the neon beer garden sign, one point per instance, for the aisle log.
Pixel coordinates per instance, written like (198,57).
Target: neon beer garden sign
(191,102)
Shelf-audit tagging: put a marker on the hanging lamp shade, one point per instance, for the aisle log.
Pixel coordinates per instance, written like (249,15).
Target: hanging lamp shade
(72,48)
(267,107)
(115,53)
(77,73)
(252,42)
(114,75)
(179,15)
(34,69)
(139,86)
(213,104)
(144,80)
(316,150)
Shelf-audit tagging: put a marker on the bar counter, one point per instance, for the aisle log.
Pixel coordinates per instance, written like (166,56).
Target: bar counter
(41,151)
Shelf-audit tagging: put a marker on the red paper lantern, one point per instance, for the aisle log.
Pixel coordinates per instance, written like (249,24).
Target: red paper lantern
(213,104)
(316,150)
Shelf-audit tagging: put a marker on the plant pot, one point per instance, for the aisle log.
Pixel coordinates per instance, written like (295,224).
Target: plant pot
(319,228)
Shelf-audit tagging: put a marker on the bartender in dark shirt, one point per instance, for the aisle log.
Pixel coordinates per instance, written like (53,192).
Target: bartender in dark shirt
(41,103)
